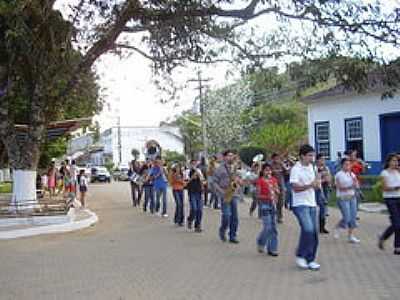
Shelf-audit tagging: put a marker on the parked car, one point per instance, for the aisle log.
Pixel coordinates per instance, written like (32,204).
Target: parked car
(121,174)
(100,174)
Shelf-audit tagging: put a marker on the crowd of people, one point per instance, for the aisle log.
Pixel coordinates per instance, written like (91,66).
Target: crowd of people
(66,180)
(302,185)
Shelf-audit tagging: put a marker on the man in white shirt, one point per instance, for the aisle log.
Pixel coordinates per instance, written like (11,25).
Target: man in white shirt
(304,181)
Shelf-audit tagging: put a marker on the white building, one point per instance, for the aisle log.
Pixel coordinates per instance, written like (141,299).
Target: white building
(340,119)
(168,137)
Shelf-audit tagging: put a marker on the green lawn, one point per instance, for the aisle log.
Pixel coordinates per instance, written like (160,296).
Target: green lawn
(5,188)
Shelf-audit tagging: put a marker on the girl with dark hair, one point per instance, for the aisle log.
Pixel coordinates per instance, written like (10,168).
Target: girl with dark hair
(267,196)
(391,194)
(346,186)
(178,184)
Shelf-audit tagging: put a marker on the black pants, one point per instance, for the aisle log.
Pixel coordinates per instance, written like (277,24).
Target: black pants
(136,192)
(393,205)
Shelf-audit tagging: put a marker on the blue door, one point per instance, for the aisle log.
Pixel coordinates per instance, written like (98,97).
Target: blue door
(390,134)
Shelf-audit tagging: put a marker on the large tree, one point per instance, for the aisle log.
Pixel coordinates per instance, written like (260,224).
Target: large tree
(37,70)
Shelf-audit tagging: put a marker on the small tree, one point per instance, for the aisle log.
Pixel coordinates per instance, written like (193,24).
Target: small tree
(173,156)
(135,153)
(282,138)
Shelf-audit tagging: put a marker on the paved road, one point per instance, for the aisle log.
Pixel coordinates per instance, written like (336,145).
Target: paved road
(131,255)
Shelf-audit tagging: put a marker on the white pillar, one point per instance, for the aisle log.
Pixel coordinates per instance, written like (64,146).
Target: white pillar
(24,189)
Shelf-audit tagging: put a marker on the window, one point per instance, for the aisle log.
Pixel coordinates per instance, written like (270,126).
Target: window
(354,135)
(322,139)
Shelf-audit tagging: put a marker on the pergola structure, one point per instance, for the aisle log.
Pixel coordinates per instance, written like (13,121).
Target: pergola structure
(57,129)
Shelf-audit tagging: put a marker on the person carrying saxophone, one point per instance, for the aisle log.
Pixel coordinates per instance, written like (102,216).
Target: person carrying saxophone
(227,185)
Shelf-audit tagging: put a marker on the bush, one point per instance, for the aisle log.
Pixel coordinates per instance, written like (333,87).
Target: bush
(173,156)
(247,153)
(5,188)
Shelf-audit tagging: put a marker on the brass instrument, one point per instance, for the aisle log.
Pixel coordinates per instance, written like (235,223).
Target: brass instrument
(233,185)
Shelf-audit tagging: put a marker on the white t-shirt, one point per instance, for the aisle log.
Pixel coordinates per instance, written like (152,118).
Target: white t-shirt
(392,179)
(345,180)
(303,175)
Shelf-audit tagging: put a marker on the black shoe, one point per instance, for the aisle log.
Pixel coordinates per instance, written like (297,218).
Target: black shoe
(381,243)
(234,241)
(198,229)
(324,231)
(222,237)
(274,254)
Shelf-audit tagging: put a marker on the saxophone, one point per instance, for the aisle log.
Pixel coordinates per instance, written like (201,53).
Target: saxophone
(230,191)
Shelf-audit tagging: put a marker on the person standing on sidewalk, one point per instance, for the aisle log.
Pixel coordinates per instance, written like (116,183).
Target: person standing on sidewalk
(346,186)
(226,185)
(160,185)
(134,174)
(178,184)
(391,194)
(267,195)
(304,182)
(194,187)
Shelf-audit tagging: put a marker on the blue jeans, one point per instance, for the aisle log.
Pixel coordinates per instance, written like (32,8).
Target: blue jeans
(268,236)
(308,243)
(320,196)
(161,192)
(288,195)
(179,209)
(393,205)
(196,209)
(148,197)
(348,208)
(229,218)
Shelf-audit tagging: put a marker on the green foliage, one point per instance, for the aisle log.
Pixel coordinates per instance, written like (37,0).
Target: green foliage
(190,128)
(109,165)
(249,152)
(283,138)
(377,191)
(173,156)
(5,188)
(52,149)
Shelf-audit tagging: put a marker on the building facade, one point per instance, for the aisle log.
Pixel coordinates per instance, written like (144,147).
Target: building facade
(339,120)
(118,142)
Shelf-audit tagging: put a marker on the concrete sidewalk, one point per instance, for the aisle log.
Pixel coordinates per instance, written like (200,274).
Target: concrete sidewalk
(132,255)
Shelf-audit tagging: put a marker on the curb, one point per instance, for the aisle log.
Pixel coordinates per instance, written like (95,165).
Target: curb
(49,229)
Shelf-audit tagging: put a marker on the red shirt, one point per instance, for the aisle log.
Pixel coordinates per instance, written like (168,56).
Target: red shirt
(357,168)
(264,192)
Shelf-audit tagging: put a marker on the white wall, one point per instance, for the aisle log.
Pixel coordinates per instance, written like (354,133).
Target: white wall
(136,137)
(336,110)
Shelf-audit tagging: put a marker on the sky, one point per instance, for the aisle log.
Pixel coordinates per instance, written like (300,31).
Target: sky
(130,93)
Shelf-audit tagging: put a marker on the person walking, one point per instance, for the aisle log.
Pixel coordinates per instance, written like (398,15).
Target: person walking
(256,172)
(278,171)
(160,186)
(52,179)
(267,195)
(346,186)
(304,182)
(194,187)
(134,174)
(83,187)
(210,183)
(178,184)
(391,194)
(226,184)
(322,193)
(148,188)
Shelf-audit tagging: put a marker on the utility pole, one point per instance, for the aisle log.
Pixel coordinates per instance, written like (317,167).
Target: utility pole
(119,139)
(201,86)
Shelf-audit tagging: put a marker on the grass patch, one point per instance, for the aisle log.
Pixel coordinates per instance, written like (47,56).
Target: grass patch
(5,188)
(370,196)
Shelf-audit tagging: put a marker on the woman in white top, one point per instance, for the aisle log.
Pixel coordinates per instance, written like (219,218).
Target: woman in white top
(391,194)
(346,185)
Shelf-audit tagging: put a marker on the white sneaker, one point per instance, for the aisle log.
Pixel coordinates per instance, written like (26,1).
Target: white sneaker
(301,263)
(314,266)
(336,233)
(165,216)
(353,239)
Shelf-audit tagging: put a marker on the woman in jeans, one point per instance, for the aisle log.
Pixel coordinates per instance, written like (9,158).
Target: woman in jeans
(267,196)
(178,184)
(391,194)
(346,185)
